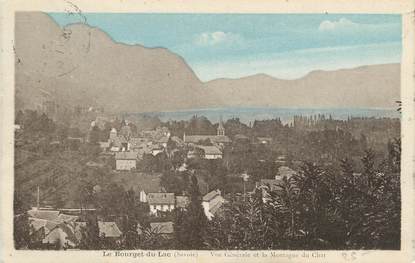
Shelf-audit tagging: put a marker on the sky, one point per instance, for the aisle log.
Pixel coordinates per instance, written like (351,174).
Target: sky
(286,46)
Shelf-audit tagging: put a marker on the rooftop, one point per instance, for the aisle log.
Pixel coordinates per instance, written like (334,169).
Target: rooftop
(126,155)
(212,138)
(210,149)
(109,229)
(104,144)
(51,215)
(161,198)
(209,196)
(37,223)
(221,139)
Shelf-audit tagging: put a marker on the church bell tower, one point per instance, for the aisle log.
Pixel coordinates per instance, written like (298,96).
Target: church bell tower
(221,129)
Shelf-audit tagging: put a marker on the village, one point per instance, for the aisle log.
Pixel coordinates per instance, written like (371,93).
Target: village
(62,227)
(112,185)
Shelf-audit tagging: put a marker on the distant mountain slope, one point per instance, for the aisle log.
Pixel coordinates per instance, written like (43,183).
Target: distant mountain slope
(368,86)
(83,65)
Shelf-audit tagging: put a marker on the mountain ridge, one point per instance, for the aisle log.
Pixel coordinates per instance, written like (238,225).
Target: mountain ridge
(78,63)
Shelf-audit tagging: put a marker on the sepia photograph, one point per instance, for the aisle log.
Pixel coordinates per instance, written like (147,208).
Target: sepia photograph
(207,131)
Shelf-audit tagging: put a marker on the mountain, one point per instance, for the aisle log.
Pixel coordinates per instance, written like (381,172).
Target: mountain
(82,65)
(366,87)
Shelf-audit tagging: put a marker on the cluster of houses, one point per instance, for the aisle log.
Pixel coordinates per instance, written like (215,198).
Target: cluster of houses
(128,149)
(64,228)
(207,146)
(150,142)
(163,202)
(55,229)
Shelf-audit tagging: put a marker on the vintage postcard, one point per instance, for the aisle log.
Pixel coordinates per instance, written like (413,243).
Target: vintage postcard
(158,132)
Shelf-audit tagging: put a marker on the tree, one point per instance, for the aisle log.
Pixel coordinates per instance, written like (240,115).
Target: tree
(286,204)
(151,238)
(368,161)
(62,133)
(19,119)
(174,182)
(94,135)
(130,221)
(351,200)
(200,125)
(46,125)
(90,234)
(21,226)
(22,231)
(133,127)
(111,199)
(234,126)
(177,158)
(394,154)
(191,224)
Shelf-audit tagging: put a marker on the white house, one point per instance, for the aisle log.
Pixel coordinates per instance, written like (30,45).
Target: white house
(160,202)
(125,161)
(211,152)
(211,202)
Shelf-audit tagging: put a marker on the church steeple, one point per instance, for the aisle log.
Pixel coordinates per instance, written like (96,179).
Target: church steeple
(221,129)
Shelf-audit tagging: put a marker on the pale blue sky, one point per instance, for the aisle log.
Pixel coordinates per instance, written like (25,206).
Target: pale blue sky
(238,45)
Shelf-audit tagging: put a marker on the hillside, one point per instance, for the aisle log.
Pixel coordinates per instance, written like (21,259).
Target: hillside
(367,86)
(83,65)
